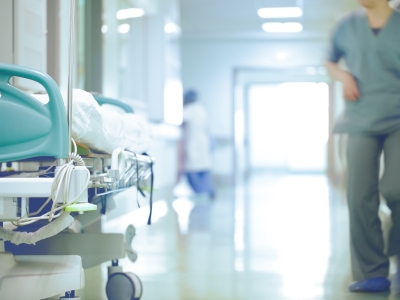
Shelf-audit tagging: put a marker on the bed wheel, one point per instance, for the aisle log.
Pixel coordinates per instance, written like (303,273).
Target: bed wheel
(124,286)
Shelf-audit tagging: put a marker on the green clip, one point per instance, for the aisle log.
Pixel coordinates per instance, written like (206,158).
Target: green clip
(80,207)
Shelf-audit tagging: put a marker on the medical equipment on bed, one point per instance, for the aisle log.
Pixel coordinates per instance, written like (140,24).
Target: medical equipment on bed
(35,134)
(89,177)
(108,174)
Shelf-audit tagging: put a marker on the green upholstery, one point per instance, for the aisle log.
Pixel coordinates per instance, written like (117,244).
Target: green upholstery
(27,127)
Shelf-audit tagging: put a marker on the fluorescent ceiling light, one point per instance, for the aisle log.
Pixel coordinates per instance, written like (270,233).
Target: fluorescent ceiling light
(171,28)
(124,28)
(282,27)
(130,13)
(280,12)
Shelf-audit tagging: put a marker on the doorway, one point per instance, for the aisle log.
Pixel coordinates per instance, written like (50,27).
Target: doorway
(288,127)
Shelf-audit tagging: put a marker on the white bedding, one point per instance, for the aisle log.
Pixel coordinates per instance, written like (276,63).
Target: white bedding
(104,129)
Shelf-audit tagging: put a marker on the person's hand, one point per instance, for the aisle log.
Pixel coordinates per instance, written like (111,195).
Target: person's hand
(350,87)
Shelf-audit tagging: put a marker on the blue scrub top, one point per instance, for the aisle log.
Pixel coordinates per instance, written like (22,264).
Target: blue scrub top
(374,60)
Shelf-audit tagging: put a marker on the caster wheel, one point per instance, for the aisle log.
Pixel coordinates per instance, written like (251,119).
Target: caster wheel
(124,286)
(70,295)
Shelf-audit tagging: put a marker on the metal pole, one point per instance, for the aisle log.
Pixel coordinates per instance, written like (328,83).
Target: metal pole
(71,69)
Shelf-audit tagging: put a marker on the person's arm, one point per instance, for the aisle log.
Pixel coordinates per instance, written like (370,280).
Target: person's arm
(350,87)
(336,52)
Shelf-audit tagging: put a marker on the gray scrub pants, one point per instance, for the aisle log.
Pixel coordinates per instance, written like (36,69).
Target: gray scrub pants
(363,189)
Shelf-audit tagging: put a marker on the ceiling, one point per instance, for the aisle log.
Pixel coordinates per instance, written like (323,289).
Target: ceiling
(238,19)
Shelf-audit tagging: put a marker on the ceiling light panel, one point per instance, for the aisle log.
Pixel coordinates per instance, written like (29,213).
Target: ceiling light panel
(129,13)
(280,12)
(171,28)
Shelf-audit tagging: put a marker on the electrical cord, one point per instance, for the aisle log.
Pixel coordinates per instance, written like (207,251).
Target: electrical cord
(48,169)
(151,188)
(62,179)
(137,180)
(138,189)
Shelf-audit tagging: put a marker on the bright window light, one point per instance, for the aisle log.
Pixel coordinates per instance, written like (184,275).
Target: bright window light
(300,134)
(124,28)
(171,28)
(282,56)
(104,29)
(130,13)
(280,12)
(282,27)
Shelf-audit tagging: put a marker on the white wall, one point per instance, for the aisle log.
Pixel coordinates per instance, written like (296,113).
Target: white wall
(207,65)
(30,39)
(23,37)
(6,23)
(165,151)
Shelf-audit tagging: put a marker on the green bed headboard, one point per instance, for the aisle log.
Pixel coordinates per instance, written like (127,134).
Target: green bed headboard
(104,100)
(29,128)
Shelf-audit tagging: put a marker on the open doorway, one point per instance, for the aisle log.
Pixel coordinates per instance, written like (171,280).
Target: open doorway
(288,127)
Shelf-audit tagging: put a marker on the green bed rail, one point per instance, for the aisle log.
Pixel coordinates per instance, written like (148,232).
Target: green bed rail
(104,100)
(29,128)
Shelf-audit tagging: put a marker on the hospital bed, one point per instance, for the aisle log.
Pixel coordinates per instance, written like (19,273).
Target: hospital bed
(53,189)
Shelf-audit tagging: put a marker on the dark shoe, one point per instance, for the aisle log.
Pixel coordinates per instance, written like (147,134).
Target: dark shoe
(372,285)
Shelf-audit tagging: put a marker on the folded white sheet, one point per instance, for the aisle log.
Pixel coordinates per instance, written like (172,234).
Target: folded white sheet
(104,129)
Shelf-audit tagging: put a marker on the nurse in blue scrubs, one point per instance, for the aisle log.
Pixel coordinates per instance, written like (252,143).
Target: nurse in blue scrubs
(368,40)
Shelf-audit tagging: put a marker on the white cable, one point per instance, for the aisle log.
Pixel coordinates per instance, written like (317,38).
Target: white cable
(48,169)
(61,179)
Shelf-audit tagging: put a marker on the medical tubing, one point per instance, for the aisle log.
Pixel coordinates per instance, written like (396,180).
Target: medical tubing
(41,208)
(48,199)
(49,215)
(62,178)
(48,169)
(45,232)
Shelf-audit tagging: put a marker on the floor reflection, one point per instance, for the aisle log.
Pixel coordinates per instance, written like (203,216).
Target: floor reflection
(275,237)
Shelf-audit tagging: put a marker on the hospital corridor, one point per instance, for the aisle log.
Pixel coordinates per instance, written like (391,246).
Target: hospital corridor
(199,149)
(247,244)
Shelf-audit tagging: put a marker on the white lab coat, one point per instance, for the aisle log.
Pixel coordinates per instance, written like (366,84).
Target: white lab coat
(197,140)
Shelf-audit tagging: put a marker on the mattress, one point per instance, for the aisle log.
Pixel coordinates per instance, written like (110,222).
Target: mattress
(104,129)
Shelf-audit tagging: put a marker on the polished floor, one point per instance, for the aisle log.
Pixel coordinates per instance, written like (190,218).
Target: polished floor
(273,238)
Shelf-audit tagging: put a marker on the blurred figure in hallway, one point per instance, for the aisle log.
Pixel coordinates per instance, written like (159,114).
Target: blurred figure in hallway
(196,146)
(368,40)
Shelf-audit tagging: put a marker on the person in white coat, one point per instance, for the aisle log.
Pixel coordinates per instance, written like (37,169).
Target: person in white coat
(197,146)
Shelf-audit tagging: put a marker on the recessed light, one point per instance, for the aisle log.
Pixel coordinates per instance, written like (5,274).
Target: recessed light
(287,27)
(280,12)
(124,28)
(171,27)
(130,13)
